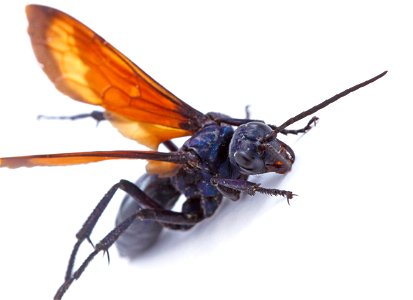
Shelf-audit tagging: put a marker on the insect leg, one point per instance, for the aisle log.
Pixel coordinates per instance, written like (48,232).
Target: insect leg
(159,215)
(249,187)
(170,146)
(84,233)
(234,121)
(247,112)
(98,116)
(142,235)
(310,124)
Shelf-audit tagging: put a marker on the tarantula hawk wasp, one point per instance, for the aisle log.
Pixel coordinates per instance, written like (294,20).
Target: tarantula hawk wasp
(213,163)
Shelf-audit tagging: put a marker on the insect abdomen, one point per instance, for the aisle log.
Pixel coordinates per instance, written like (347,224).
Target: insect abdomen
(143,234)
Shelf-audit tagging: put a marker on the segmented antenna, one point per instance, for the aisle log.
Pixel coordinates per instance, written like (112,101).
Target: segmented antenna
(327,102)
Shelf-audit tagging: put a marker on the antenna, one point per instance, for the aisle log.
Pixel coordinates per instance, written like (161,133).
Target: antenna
(327,102)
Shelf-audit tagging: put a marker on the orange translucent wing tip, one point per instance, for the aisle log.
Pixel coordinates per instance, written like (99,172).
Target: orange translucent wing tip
(45,160)
(64,159)
(85,67)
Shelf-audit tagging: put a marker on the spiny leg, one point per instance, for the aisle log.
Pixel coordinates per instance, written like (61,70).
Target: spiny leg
(249,187)
(272,135)
(158,215)
(84,233)
(98,116)
(310,124)
(239,122)
(69,279)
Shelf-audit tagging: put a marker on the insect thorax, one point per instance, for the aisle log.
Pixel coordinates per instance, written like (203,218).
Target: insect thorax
(211,145)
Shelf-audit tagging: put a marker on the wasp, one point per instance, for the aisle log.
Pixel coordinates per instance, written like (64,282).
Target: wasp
(214,162)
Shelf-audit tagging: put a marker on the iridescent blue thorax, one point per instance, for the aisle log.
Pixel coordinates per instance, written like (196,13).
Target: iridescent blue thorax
(211,145)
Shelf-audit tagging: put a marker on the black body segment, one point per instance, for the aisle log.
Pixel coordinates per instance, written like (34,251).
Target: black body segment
(141,235)
(211,146)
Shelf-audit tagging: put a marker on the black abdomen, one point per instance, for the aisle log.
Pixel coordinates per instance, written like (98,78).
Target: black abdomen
(143,234)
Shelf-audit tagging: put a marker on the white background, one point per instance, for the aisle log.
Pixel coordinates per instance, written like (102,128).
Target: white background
(348,235)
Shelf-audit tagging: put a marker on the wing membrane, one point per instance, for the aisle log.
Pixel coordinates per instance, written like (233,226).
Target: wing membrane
(85,67)
(170,161)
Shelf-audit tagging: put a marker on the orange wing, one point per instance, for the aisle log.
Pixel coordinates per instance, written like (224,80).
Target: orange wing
(85,67)
(75,158)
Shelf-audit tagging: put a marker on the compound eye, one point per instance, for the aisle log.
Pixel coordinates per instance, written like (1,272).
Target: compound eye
(248,162)
(243,159)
